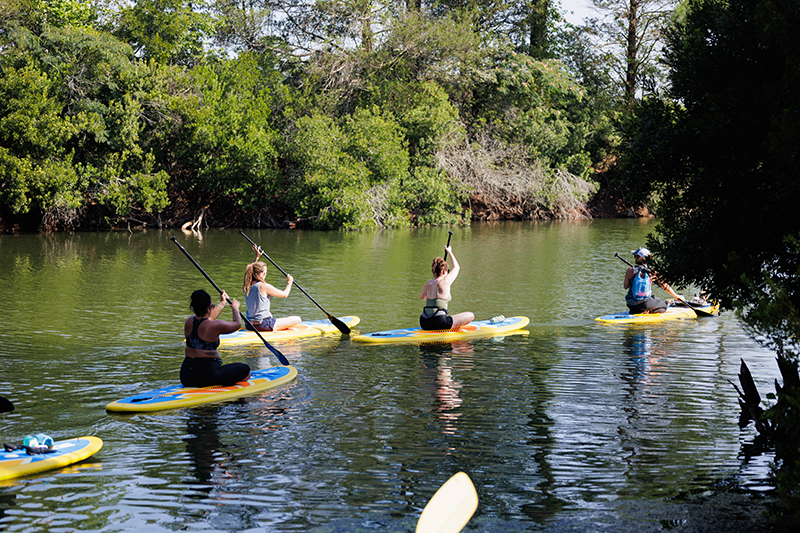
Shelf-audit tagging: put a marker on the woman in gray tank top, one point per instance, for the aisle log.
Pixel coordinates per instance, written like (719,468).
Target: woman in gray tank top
(258,297)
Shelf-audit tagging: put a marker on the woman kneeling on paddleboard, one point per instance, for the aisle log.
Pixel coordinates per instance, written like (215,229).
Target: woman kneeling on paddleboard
(436,294)
(640,297)
(258,301)
(202,366)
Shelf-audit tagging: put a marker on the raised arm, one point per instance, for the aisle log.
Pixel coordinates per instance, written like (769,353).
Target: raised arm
(274,291)
(219,327)
(453,274)
(223,299)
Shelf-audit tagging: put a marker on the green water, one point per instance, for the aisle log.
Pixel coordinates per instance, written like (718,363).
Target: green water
(554,426)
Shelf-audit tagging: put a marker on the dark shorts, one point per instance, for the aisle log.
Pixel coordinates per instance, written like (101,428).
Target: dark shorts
(653,305)
(437,322)
(266,325)
(205,372)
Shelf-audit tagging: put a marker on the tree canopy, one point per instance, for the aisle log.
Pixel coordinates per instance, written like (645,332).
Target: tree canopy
(342,114)
(721,157)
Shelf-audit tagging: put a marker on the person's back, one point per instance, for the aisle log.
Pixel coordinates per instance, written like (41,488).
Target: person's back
(638,282)
(436,293)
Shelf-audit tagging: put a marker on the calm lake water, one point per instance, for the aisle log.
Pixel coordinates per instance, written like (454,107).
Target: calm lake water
(557,428)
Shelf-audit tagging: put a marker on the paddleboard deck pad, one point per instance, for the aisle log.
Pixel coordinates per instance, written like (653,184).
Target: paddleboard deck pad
(18,463)
(303,329)
(178,396)
(479,328)
(671,313)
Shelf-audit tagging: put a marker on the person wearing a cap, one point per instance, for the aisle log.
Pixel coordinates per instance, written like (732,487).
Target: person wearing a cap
(640,297)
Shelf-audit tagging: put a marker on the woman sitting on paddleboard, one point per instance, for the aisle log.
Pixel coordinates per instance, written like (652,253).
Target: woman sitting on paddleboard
(258,297)
(640,297)
(202,366)
(436,294)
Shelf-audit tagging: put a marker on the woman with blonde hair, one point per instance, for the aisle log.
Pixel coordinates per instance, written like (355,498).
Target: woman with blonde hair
(436,294)
(258,297)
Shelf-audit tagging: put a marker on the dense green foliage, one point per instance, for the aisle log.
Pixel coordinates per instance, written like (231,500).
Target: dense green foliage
(721,155)
(343,115)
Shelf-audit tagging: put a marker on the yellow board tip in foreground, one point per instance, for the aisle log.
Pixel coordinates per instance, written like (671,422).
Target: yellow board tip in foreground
(451,507)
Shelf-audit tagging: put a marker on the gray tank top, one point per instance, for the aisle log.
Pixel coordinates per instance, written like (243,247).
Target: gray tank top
(257,305)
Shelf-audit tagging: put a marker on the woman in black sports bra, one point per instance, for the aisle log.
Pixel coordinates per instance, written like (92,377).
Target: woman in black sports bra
(202,366)
(436,294)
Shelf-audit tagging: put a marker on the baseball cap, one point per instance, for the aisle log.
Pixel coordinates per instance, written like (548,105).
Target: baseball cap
(641,252)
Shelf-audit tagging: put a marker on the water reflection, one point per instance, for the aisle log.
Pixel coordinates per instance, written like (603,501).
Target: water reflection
(553,428)
(203,443)
(638,347)
(543,502)
(437,379)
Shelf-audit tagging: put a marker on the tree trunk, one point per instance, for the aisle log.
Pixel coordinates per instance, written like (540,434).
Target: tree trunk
(631,51)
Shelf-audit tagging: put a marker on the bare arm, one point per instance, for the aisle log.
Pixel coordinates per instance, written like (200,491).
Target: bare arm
(628,277)
(216,328)
(453,274)
(219,307)
(273,291)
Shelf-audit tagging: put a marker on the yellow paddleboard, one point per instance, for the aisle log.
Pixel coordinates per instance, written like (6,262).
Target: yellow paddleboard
(480,328)
(303,329)
(178,396)
(18,463)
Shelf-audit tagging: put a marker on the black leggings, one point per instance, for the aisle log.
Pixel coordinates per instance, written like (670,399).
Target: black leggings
(204,372)
(652,304)
(439,321)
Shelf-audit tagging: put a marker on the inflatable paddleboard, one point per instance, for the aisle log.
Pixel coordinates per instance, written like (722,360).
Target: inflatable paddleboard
(479,328)
(671,313)
(178,396)
(303,329)
(18,463)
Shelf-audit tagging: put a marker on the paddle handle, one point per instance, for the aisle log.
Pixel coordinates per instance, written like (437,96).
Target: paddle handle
(450,234)
(628,262)
(277,354)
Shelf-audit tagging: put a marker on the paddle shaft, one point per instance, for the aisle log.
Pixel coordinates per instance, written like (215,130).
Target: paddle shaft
(450,234)
(341,326)
(666,287)
(277,354)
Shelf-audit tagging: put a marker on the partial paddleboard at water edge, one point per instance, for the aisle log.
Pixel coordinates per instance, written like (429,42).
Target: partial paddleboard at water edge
(306,328)
(479,328)
(18,463)
(178,396)
(672,313)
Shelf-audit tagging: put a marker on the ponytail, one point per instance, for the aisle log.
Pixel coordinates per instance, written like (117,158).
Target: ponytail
(250,274)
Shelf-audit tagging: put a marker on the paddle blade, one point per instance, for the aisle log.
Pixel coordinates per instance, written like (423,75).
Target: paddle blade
(5,405)
(450,508)
(341,326)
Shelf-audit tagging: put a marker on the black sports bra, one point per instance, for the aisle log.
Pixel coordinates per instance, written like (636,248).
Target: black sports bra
(194,341)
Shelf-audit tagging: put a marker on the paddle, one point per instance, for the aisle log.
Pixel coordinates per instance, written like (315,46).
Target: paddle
(5,405)
(669,290)
(450,508)
(341,326)
(448,244)
(279,355)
